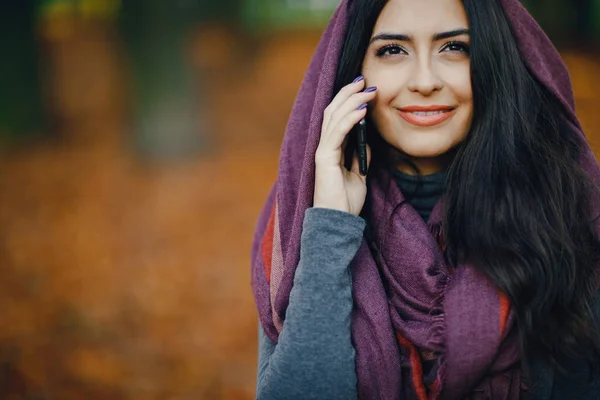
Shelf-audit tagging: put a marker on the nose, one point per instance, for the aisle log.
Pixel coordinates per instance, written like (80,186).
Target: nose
(424,80)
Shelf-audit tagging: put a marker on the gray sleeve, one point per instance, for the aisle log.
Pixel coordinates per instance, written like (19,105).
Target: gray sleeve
(314,356)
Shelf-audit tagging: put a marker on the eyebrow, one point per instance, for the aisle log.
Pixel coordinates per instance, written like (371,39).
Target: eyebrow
(408,38)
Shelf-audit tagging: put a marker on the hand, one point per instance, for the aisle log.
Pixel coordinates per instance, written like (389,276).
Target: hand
(336,187)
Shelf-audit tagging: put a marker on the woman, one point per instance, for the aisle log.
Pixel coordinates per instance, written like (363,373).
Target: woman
(465,264)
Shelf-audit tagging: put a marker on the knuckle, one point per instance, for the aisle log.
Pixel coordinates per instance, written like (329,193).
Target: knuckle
(319,153)
(334,115)
(319,158)
(349,87)
(346,91)
(345,128)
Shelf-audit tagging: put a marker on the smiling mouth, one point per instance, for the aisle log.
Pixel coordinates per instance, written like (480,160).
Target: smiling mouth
(428,113)
(426,116)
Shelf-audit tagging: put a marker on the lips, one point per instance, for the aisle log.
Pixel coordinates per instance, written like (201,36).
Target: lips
(426,115)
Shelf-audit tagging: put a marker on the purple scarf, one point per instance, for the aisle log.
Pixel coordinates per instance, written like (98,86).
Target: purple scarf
(429,307)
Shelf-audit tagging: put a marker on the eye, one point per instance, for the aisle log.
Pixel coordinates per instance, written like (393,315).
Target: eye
(456,47)
(390,50)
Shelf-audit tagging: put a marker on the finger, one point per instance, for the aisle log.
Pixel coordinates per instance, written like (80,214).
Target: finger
(341,97)
(329,150)
(335,136)
(352,103)
(356,102)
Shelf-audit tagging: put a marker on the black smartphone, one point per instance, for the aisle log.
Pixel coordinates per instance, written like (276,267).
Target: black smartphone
(361,146)
(357,144)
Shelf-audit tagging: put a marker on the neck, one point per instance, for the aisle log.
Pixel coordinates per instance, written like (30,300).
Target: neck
(425,166)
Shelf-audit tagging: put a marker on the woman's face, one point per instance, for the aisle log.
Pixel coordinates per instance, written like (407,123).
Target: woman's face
(418,58)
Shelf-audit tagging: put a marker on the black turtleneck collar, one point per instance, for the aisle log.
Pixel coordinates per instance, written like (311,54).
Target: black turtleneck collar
(421,192)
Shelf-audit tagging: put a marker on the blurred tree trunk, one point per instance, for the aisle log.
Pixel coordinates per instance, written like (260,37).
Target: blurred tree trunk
(167,102)
(164,118)
(583,29)
(572,23)
(20,91)
(595,17)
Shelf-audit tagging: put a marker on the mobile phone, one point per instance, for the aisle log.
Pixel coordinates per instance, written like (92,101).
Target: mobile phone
(361,146)
(357,144)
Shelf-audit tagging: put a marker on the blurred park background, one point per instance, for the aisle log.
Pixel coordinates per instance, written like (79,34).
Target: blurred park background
(138,140)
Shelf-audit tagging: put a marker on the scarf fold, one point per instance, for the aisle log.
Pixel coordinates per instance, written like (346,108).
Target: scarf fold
(407,300)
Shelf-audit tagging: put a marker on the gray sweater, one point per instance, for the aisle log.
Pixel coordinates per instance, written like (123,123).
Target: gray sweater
(314,357)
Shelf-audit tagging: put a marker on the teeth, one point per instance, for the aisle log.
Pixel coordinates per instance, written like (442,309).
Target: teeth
(427,113)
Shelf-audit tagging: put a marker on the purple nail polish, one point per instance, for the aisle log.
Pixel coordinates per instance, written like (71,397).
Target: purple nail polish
(358,79)
(370,89)
(362,106)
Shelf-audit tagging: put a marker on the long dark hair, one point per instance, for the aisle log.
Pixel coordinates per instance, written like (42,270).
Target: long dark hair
(518,201)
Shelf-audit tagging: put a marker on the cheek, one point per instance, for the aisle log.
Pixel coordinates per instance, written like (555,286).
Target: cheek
(380,110)
(464,95)
(387,78)
(388,87)
(460,83)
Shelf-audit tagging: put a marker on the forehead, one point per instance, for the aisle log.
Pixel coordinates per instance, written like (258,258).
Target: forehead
(425,16)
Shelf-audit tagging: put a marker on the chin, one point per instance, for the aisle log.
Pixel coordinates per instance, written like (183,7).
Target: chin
(424,149)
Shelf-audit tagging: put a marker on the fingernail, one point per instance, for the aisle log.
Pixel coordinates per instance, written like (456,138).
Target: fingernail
(358,79)
(370,89)
(362,106)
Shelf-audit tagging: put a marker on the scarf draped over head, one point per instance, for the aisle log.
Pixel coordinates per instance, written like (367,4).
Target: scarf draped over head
(425,304)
